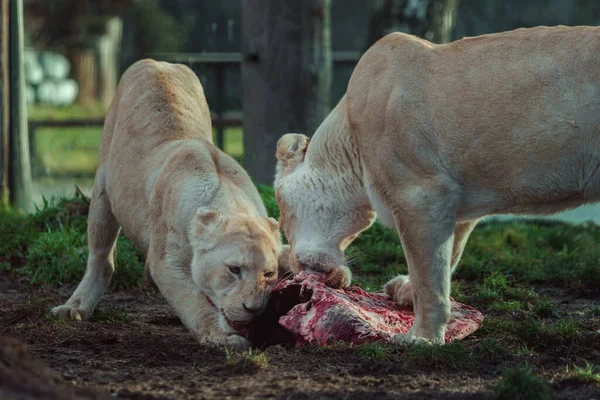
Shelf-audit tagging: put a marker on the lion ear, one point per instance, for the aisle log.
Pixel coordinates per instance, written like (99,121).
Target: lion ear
(273,224)
(206,221)
(291,150)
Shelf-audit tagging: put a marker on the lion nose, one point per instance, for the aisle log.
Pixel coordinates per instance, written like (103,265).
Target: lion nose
(252,310)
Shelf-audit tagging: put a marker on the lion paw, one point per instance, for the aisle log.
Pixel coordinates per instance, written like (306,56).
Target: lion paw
(341,278)
(409,340)
(223,339)
(238,342)
(400,290)
(67,311)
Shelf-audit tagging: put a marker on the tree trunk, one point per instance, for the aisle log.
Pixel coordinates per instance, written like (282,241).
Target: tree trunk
(430,19)
(4,102)
(286,75)
(19,157)
(83,67)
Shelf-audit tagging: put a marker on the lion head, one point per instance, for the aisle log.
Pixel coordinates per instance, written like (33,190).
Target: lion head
(317,211)
(235,263)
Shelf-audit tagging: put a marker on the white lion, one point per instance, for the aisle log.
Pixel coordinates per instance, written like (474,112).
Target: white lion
(210,247)
(435,137)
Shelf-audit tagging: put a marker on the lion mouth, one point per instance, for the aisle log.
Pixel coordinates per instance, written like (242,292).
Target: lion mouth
(237,325)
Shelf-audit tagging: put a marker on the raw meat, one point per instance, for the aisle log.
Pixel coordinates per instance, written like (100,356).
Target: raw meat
(303,310)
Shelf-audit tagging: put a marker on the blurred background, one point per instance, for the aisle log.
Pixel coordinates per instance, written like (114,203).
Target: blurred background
(267,67)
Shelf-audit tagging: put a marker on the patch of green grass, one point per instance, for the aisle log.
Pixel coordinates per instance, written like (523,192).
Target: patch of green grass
(56,257)
(45,112)
(493,325)
(247,360)
(457,291)
(67,150)
(490,349)
(111,314)
(16,233)
(525,351)
(511,305)
(557,253)
(532,332)
(74,150)
(521,383)
(589,373)
(595,312)
(546,309)
(539,334)
(267,194)
(233,141)
(567,329)
(49,247)
(374,350)
(37,306)
(437,356)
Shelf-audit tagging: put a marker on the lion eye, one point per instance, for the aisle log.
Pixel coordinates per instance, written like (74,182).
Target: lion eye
(234,270)
(269,274)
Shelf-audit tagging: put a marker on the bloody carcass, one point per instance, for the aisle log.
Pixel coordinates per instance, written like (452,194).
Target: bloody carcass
(304,310)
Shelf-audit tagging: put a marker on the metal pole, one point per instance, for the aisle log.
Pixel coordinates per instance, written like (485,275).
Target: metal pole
(20,167)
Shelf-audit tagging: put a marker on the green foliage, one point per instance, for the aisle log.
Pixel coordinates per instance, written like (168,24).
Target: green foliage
(374,350)
(511,305)
(248,360)
(49,247)
(111,314)
(546,309)
(438,356)
(567,329)
(172,35)
(561,254)
(521,383)
(57,257)
(490,349)
(267,194)
(589,373)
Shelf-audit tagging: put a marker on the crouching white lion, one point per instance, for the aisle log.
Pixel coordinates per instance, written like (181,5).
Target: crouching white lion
(210,248)
(434,137)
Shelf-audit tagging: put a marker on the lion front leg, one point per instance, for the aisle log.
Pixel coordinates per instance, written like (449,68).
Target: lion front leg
(195,310)
(426,226)
(400,287)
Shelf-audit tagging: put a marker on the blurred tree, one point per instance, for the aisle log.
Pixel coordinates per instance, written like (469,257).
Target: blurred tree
(16,166)
(57,24)
(4,105)
(429,19)
(286,75)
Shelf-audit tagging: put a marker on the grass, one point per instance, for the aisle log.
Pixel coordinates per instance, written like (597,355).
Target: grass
(111,314)
(49,247)
(374,350)
(589,373)
(490,349)
(546,309)
(74,150)
(247,360)
(452,355)
(521,383)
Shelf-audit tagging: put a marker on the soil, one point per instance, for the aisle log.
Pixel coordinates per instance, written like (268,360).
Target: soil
(150,355)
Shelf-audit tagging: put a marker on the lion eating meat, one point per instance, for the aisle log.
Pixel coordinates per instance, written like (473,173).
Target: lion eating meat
(433,138)
(210,247)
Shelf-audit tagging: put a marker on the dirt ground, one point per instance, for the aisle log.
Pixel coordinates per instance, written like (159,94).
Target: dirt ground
(148,354)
